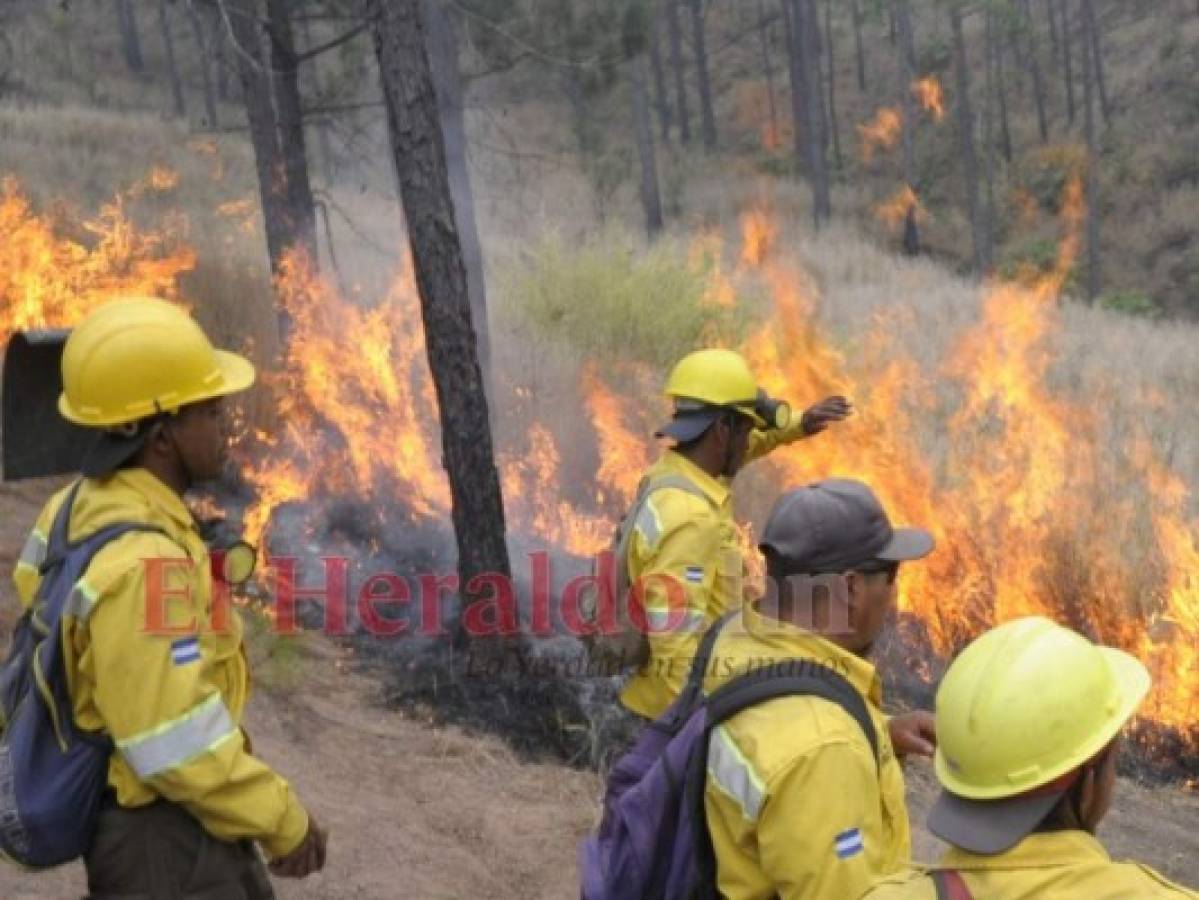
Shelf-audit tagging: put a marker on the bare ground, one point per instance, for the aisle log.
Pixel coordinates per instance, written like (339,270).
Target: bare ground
(430,812)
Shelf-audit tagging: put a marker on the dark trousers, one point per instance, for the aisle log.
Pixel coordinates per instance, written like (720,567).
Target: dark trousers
(161,852)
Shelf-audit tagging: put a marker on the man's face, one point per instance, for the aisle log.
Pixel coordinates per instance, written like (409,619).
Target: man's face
(737,428)
(200,437)
(872,599)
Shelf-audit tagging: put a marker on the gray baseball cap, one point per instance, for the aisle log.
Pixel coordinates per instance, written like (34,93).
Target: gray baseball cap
(836,525)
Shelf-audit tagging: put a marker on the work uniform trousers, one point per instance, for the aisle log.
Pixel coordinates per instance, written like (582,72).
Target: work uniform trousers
(161,852)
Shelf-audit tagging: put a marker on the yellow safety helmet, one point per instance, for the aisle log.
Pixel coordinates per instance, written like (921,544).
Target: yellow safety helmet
(135,357)
(1027,702)
(707,380)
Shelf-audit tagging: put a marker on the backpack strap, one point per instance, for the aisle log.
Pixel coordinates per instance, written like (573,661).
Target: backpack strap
(58,543)
(794,677)
(950,885)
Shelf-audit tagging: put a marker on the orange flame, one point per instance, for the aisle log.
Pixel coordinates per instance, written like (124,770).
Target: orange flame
(894,211)
(880,133)
(929,95)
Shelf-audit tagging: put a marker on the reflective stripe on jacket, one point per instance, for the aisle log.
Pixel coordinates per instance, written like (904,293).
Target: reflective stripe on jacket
(171,697)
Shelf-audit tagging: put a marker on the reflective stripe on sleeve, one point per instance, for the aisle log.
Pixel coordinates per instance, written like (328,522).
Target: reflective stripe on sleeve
(172,744)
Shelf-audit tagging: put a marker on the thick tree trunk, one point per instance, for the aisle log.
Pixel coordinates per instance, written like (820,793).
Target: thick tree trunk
(442,47)
(801,113)
(419,155)
(804,28)
(1068,58)
(651,198)
(205,57)
(966,140)
(1091,25)
(830,55)
(677,64)
(1038,79)
(131,44)
(168,42)
(1089,90)
(289,125)
(661,100)
(699,41)
(856,10)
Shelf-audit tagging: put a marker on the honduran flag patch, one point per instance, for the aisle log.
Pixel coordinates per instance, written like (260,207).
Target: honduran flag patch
(185,650)
(695,574)
(849,843)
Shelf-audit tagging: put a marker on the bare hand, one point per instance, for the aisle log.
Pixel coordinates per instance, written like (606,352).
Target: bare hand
(913,732)
(307,858)
(825,413)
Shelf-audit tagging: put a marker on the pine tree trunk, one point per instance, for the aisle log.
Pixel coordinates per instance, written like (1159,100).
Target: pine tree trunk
(131,45)
(966,139)
(1092,28)
(205,57)
(289,124)
(651,198)
(1005,132)
(800,113)
(419,156)
(1068,59)
(324,141)
(902,16)
(989,132)
(830,54)
(1038,79)
(1055,43)
(442,46)
(220,55)
(768,67)
(856,9)
(675,33)
(707,113)
(661,100)
(168,42)
(1089,88)
(805,26)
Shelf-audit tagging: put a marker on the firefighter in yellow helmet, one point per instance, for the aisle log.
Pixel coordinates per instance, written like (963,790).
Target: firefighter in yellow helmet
(684,544)
(1028,722)
(147,662)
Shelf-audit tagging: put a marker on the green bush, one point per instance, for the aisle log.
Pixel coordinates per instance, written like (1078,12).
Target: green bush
(1038,255)
(1132,303)
(612,300)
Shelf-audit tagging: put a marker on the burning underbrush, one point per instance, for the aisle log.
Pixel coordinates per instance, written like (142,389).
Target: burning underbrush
(1036,505)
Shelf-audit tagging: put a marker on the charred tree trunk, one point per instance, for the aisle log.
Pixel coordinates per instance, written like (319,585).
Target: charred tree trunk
(168,43)
(966,141)
(804,28)
(1068,59)
(856,10)
(1034,65)
(131,44)
(675,33)
(1090,80)
(706,110)
(1091,26)
(801,124)
(661,100)
(829,52)
(651,198)
(203,47)
(768,68)
(442,46)
(413,122)
(289,124)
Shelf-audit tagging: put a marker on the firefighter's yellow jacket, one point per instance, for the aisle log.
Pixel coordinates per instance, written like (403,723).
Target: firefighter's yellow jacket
(797,807)
(1070,865)
(145,665)
(686,551)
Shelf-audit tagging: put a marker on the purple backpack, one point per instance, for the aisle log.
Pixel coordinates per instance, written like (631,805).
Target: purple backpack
(653,841)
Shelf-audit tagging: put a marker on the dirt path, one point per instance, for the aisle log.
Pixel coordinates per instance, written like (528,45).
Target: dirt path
(425,812)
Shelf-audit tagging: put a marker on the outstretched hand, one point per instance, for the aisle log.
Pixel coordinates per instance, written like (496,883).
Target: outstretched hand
(829,410)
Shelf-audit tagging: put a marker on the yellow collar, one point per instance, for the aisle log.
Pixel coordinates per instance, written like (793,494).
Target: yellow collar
(716,489)
(157,494)
(1041,850)
(791,640)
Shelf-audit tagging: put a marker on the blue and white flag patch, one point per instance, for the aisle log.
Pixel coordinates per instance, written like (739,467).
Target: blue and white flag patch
(695,574)
(849,843)
(185,650)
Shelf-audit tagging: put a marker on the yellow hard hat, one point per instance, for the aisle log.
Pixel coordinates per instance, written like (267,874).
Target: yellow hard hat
(1029,702)
(135,357)
(715,377)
